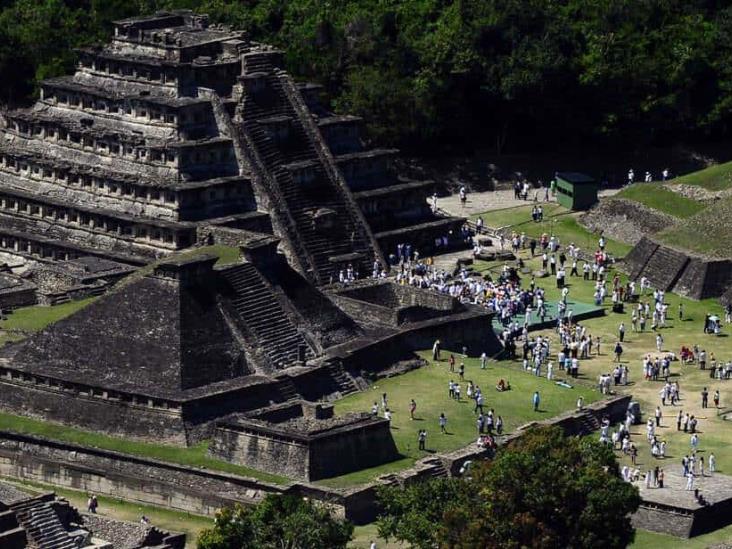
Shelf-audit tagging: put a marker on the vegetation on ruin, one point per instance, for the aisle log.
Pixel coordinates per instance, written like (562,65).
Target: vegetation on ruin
(510,73)
(708,232)
(37,317)
(714,178)
(543,490)
(24,321)
(193,456)
(658,197)
(277,522)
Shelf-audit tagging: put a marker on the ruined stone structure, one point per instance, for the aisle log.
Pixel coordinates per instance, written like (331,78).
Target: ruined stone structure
(166,354)
(304,441)
(178,132)
(48,522)
(62,281)
(682,272)
(16,291)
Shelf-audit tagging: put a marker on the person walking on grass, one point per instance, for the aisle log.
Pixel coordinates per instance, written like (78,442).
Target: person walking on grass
(618,351)
(536,400)
(443,423)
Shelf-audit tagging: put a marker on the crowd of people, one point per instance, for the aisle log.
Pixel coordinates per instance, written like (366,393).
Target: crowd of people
(520,307)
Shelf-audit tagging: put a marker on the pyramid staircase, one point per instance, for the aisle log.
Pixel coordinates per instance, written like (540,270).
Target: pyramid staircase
(287,390)
(264,317)
(589,423)
(346,384)
(314,247)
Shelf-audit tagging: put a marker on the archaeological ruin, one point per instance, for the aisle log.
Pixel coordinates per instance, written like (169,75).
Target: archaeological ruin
(176,135)
(177,132)
(47,521)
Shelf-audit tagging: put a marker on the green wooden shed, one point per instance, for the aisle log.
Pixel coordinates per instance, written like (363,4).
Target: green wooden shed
(576,191)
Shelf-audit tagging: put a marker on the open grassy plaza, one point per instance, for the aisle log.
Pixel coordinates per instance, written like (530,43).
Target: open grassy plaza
(715,433)
(428,386)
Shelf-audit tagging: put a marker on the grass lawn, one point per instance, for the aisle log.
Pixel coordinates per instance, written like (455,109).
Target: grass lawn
(651,540)
(166,519)
(713,178)
(27,320)
(37,317)
(716,433)
(194,456)
(364,535)
(557,220)
(658,197)
(428,386)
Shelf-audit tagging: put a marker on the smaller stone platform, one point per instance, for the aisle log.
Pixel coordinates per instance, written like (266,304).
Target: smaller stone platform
(305,441)
(16,292)
(676,511)
(78,278)
(580,311)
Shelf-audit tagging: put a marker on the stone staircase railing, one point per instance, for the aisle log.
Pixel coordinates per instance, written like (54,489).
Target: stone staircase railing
(281,217)
(327,160)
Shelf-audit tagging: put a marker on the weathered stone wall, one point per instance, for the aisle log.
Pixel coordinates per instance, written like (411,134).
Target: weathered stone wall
(471,329)
(355,449)
(410,296)
(625,220)
(703,279)
(113,417)
(302,456)
(392,304)
(673,270)
(19,298)
(118,475)
(280,456)
(663,520)
(637,258)
(366,312)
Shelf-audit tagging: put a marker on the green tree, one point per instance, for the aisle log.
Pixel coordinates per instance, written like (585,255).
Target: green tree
(413,514)
(544,490)
(278,522)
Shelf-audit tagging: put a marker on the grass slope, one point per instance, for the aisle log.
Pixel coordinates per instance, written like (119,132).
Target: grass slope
(658,197)
(713,178)
(27,320)
(37,317)
(708,232)
(557,220)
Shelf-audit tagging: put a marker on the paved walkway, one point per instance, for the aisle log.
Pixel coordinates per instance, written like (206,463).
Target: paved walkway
(715,488)
(494,200)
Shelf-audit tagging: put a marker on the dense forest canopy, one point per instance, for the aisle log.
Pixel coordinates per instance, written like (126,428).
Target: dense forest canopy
(505,73)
